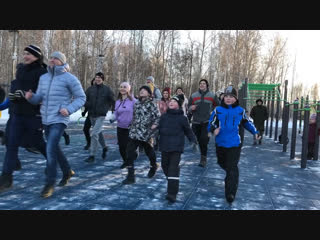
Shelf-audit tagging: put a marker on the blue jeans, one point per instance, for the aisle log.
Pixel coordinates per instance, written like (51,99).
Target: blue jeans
(53,134)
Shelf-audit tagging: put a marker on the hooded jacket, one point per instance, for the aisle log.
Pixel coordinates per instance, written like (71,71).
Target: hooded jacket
(173,126)
(58,89)
(145,114)
(229,118)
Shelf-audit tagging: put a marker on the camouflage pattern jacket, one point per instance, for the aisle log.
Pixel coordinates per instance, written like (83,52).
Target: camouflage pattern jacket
(145,114)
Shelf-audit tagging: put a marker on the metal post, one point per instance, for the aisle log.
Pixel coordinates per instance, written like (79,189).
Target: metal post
(305,136)
(316,144)
(277,115)
(300,115)
(284,128)
(272,112)
(100,59)
(294,129)
(268,107)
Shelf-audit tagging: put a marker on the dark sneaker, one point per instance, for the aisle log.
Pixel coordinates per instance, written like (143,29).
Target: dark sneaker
(171,198)
(90,159)
(67,139)
(104,152)
(47,191)
(86,147)
(203,161)
(230,198)
(65,179)
(152,171)
(129,180)
(5,182)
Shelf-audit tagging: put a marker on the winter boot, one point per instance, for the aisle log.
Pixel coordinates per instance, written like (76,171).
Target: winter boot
(260,142)
(130,177)
(254,142)
(230,198)
(171,198)
(152,171)
(65,179)
(67,139)
(203,161)
(47,190)
(5,182)
(86,147)
(90,159)
(104,152)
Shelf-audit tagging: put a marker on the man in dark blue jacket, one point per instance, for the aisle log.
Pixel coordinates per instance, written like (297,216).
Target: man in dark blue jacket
(224,122)
(25,117)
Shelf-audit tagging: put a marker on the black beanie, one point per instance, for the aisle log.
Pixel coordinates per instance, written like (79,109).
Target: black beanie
(100,74)
(259,100)
(204,80)
(147,88)
(34,50)
(179,98)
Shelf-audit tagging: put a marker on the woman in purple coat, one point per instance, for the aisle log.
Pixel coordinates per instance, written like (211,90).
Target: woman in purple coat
(123,115)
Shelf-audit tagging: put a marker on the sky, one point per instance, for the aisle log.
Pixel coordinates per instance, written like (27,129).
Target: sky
(302,44)
(305,45)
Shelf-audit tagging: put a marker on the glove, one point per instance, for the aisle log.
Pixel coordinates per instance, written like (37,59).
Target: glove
(19,94)
(195,147)
(11,96)
(83,114)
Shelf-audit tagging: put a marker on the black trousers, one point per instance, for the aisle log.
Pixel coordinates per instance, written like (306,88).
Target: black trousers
(170,166)
(132,153)
(228,159)
(310,150)
(201,132)
(123,137)
(86,130)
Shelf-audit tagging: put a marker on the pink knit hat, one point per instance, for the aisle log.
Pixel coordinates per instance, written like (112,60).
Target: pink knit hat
(127,85)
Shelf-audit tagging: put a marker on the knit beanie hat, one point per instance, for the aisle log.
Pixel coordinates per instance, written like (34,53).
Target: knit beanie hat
(147,88)
(150,78)
(179,98)
(100,74)
(206,81)
(259,100)
(127,85)
(34,50)
(60,56)
(231,91)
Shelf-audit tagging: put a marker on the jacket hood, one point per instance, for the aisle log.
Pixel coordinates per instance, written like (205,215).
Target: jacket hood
(57,70)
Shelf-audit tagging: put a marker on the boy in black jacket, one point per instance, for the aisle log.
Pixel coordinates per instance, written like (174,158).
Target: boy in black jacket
(173,126)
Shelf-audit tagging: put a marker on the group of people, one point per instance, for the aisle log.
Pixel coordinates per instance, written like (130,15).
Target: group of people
(42,98)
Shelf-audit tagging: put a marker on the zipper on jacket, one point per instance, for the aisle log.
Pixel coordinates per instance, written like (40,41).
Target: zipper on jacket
(47,102)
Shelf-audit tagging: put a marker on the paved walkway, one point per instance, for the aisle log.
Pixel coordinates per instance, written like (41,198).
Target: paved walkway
(269,180)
